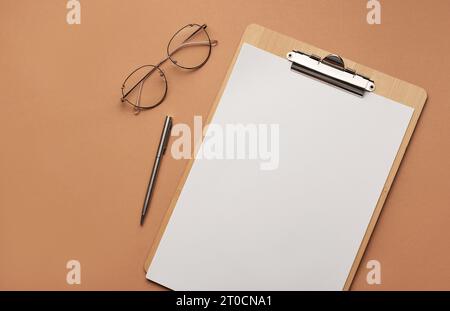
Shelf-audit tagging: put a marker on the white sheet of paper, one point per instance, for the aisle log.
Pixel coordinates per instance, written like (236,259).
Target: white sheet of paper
(299,227)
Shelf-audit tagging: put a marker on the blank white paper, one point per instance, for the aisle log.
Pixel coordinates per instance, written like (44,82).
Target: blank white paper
(299,227)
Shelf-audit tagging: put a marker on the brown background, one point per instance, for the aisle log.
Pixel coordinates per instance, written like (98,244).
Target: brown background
(74,163)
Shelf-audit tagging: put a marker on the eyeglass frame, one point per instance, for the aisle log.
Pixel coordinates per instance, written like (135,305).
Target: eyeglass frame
(137,107)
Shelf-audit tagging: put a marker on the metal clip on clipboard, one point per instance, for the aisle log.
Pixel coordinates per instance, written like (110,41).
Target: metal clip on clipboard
(331,69)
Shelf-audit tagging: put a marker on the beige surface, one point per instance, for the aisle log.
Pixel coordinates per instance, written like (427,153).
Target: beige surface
(386,86)
(74,163)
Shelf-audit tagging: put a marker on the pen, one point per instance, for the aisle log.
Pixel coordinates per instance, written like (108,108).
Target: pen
(161,150)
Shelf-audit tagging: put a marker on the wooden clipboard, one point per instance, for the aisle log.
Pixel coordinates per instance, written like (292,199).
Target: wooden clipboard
(387,86)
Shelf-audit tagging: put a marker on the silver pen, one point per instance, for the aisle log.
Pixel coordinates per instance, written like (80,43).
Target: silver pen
(165,135)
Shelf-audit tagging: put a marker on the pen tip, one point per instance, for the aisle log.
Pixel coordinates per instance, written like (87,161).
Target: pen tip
(142,220)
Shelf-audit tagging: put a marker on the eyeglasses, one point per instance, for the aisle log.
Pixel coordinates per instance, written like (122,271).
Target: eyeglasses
(189,49)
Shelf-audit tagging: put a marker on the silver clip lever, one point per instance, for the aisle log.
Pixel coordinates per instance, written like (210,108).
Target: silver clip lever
(330,69)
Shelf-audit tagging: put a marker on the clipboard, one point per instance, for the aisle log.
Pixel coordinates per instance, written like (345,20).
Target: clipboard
(340,72)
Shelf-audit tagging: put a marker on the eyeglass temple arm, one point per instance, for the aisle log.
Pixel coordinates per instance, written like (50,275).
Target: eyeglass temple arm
(195,32)
(138,102)
(187,44)
(213,43)
(139,82)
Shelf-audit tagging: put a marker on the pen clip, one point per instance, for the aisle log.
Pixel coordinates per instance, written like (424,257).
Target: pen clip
(167,135)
